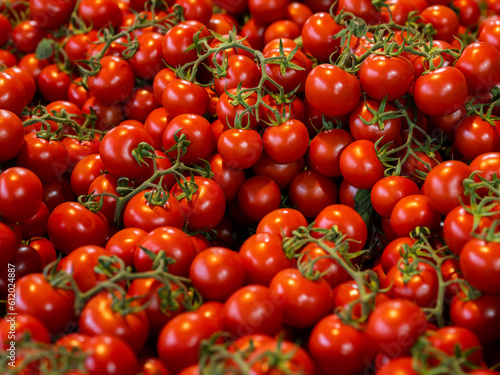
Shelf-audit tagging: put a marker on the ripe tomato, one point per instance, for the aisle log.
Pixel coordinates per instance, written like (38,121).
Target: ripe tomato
(433,98)
(413,211)
(14,97)
(475,136)
(252,310)
(109,355)
(402,365)
(388,191)
(240,148)
(360,165)
(447,339)
(100,317)
(265,12)
(206,207)
(100,13)
(216,273)
(392,252)
(444,188)
(348,222)
(286,142)
(317,36)
(182,97)
(229,179)
(52,306)
(395,325)
(71,225)
(241,70)
(22,325)
(11,135)
(332,91)
(179,341)
(258,196)
(339,349)
(325,150)
(281,222)
(177,40)
(479,263)
(443,19)
(386,77)
(20,194)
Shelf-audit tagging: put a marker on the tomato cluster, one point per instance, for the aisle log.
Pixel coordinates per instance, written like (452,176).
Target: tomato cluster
(250,187)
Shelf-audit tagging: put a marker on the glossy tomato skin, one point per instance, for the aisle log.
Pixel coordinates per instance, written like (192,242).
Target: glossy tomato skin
(20,194)
(179,340)
(11,135)
(252,310)
(86,171)
(24,323)
(443,19)
(446,339)
(206,208)
(480,265)
(240,148)
(217,273)
(382,76)
(181,96)
(52,306)
(338,348)
(263,257)
(98,317)
(71,225)
(281,222)
(388,191)
(480,315)
(176,245)
(444,188)
(480,64)
(100,13)
(338,101)
(258,196)
(347,220)
(317,36)
(433,98)
(287,142)
(475,136)
(14,98)
(402,366)
(325,150)
(395,325)
(109,355)
(228,178)
(413,211)
(360,165)
(304,301)
(139,213)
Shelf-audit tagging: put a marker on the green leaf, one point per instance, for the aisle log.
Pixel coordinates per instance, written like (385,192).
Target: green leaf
(363,206)
(44,49)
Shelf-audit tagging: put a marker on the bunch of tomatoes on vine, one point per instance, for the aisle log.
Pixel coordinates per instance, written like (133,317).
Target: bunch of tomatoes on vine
(202,187)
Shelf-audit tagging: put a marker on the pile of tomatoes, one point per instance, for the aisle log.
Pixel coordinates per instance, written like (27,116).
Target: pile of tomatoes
(250,187)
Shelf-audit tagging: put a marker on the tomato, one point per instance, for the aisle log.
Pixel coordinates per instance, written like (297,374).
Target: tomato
(360,165)
(433,98)
(479,262)
(26,35)
(383,76)
(176,245)
(388,191)
(181,96)
(443,19)
(177,40)
(197,130)
(15,329)
(241,70)
(477,315)
(284,357)
(325,150)
(402,366)
(395,325)
(51,14)
(240,148)
(282,174)
(362,9)
(140,104)
(86,171)
(411,212)
(475,136)
(392,252)
(80,264)
(388,130)
(310,192)
(282,222)
(317,36)
(108,115)
(5,28)
(140,213)
(448,339)
(258,196)
(265,12)
(444,188)
(286,142)
(14,97)
(26,79)
(289,79)
(45,249)
(114,82)
(338,348)
(347,192)
(109,355)
(20,194)
(421,288)
(332,91)
(100,13)
(412,165)
(26,261)
(116,151)
(100,317)
(152,366)
(347,293)
(216,273)
(123,243)
(206,207)
(52,306)
(290,109)
(147,61)
(348,221)
(229,179)
(179,341)
(71,225)
(9,243)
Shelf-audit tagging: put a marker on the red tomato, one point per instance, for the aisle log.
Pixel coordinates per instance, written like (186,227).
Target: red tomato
(109,355)
(317,36)
(339,349)
(475,136)
(360,165)
(286,142)
(258,196)
(13,329)
(413,211)
(443,19)
(480,265)
(14,97)
(388,191)
(325,150)
(182,97)
(240,148)
(282,222)
(100,13)
(448,339)
(217,273)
